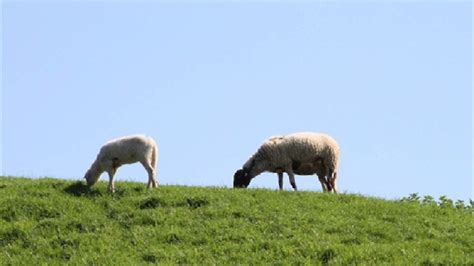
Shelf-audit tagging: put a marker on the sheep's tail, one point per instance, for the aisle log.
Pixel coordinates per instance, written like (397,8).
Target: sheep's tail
(332,169)
(154,154)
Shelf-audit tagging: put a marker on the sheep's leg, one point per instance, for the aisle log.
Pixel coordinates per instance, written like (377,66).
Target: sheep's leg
(151,175)
(280,180)
(291,176)
(332,181)
(111,173)
(322,180)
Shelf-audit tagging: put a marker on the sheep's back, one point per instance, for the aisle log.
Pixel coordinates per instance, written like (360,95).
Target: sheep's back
(128,149)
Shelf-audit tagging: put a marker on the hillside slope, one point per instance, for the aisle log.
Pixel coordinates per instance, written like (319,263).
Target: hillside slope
(53,221)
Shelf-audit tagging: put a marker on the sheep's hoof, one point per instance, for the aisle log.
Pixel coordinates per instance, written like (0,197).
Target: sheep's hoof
(150,186)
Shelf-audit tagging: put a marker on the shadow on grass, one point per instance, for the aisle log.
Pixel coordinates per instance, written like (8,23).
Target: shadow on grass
(80,189)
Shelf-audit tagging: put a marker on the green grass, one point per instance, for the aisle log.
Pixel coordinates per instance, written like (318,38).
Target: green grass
(52,222)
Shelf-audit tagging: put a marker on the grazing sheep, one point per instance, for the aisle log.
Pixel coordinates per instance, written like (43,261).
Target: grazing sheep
(124,150)
(299,153)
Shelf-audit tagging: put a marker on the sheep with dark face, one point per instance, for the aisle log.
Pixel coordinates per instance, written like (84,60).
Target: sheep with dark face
(299,153)
(125,150)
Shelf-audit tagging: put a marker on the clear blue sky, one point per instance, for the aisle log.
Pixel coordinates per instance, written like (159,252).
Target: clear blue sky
(210,81)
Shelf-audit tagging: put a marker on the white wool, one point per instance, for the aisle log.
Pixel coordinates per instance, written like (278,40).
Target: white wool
(124,150)
(304,153)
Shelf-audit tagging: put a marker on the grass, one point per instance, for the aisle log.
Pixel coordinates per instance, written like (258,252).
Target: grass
(52,222)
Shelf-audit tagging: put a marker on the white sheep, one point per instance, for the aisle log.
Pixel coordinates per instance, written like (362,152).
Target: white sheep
(124,150)
(303,153)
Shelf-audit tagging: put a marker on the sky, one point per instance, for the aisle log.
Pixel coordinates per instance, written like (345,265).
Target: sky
(211,80)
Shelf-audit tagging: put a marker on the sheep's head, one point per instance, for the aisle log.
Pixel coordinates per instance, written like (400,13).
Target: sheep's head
(242,178)
(91,178)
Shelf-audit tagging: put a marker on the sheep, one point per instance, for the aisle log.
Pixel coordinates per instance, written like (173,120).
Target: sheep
(124,150)
(303,153)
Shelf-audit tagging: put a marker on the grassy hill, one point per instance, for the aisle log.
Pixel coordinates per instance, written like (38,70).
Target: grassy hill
(51,221)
